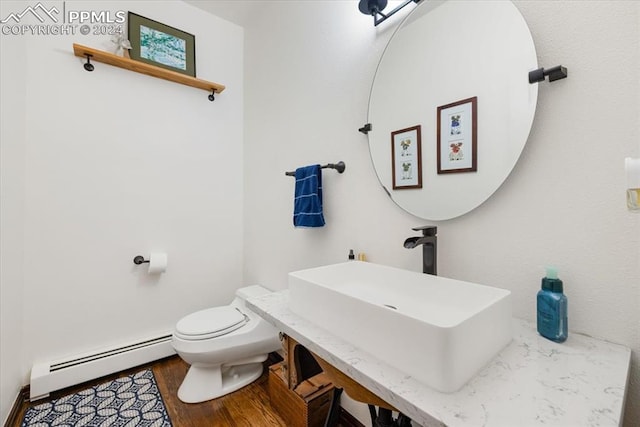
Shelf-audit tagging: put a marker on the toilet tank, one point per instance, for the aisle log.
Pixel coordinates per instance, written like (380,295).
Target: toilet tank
(251,292)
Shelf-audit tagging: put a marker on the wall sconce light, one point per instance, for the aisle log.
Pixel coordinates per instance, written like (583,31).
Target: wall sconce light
(375,8)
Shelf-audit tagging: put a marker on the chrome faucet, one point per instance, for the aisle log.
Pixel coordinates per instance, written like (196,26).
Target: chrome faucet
(429,242)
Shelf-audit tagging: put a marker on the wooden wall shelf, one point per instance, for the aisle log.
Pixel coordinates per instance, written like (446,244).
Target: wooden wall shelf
(144,68)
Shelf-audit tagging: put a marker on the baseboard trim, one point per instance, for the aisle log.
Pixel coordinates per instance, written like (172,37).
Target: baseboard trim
(348,420)
(18,407)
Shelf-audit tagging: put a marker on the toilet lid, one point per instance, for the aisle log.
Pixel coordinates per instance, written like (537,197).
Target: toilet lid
(211,322)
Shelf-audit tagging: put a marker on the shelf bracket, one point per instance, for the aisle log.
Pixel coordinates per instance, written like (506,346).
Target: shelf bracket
(88,65)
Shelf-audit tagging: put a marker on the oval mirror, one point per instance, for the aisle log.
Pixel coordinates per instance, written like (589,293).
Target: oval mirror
(444,55)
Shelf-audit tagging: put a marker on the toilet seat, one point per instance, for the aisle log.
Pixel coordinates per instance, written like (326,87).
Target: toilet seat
(210,323)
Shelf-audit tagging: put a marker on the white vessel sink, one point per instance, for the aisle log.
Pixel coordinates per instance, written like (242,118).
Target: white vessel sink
(439,331)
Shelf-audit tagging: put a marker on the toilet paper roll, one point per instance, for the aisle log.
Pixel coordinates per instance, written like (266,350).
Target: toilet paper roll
(632,169)
(157,263)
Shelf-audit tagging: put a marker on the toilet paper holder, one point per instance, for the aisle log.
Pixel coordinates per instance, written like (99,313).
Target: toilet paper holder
(139,260)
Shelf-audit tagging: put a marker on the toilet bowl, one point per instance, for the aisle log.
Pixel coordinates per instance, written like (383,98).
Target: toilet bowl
(225,347)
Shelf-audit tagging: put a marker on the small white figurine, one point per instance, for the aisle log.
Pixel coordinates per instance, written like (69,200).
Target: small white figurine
(121,43)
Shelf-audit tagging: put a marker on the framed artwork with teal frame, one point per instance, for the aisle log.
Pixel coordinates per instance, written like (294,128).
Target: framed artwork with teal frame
(161,45)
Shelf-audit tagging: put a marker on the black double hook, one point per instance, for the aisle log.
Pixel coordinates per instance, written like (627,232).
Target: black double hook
(88,66)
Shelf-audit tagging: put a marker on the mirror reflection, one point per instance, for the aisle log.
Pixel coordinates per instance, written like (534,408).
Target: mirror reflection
(458,72)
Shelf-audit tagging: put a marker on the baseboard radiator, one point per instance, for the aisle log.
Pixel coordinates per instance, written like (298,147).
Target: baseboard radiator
(55,375)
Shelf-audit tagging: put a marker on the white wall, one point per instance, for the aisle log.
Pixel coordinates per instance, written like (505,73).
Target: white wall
(12,135)
(108,165)
(309,66)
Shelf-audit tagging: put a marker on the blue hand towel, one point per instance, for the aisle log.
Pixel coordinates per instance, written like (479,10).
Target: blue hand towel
(307,205)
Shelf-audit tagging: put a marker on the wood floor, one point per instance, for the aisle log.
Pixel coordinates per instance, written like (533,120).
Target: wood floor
(249,406)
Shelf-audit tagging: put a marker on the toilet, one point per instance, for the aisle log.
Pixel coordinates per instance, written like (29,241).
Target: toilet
(225,347)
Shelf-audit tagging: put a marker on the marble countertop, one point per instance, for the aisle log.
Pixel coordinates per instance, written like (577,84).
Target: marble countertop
(533,381)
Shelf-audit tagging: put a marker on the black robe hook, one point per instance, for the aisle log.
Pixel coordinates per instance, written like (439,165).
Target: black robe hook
(88,66)
(212,95)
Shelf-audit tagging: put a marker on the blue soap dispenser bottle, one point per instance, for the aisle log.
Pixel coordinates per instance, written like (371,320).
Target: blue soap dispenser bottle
(552,308)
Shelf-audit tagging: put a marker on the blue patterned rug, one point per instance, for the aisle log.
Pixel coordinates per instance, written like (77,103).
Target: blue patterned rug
(131,401)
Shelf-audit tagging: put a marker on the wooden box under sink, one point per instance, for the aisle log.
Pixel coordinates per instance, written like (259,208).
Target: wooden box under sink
(305,406)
